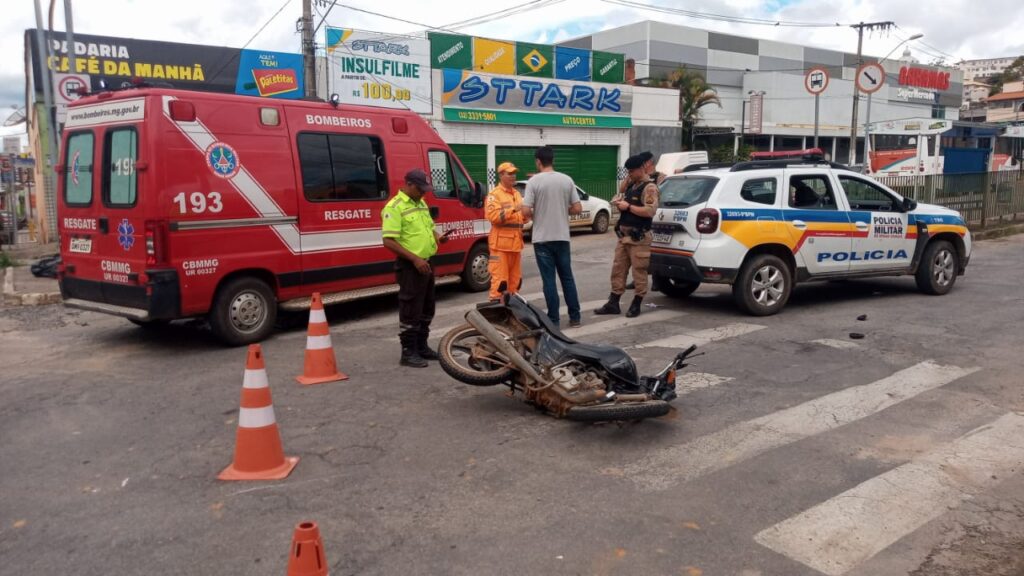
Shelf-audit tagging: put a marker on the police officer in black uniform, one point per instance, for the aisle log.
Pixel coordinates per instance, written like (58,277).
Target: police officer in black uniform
(637,205)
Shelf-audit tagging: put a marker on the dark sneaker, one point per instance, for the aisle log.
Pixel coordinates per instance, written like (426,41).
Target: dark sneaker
(412,359)
(575,323)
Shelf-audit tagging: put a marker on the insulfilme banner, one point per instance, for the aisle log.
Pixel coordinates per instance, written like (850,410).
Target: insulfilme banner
(377,69)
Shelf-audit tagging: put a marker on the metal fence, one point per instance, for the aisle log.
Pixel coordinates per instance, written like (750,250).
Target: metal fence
(983,199)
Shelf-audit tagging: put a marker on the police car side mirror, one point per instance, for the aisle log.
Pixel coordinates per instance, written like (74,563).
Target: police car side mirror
(909,205)
(335,100)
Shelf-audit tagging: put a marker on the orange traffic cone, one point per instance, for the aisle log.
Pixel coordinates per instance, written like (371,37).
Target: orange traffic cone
(307,554)
(320,365)
(258,453)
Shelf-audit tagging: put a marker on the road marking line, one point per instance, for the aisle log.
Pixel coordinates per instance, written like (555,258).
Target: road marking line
(687,382)
(841,533)
(617,322)
(701,337)
(746,440)
(445,329)
(838,344)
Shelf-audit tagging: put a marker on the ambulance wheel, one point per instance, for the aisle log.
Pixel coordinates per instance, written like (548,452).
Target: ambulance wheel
(244,311)
(600,225)
(937,272)
(763,285)
(477,275)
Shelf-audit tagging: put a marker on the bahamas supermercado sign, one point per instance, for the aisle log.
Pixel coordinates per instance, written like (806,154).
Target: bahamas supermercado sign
(491,99)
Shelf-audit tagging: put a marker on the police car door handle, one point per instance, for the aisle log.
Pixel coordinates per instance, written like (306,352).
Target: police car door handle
(862,225)
(799,224)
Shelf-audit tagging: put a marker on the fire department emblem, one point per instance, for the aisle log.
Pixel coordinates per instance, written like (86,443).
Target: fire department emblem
(125,232)
(75,166)
(223,159)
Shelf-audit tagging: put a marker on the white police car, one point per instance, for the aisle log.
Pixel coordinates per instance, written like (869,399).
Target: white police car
(763,226)
(596,214)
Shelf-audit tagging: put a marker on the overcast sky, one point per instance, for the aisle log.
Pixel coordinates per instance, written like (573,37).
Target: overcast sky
(954,29)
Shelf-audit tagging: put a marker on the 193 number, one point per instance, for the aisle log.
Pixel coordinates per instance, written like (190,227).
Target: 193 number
(197,203)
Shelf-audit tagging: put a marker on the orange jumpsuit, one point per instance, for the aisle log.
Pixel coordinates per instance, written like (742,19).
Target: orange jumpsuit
(506,240)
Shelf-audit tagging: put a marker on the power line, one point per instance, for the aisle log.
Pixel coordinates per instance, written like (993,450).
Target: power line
(253,37)
(720,17)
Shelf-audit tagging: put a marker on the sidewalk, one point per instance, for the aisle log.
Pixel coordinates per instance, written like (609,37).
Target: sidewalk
(20,287)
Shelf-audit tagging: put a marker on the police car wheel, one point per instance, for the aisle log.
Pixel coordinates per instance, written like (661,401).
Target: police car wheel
(937,272)
(763,286)
(244,311)
(600,224)
(477,275)
(674,288)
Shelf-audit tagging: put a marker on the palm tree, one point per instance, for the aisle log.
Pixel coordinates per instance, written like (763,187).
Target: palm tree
(694,94)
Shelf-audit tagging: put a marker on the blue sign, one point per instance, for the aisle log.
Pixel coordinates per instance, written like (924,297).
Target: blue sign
(270,74)
(572,63)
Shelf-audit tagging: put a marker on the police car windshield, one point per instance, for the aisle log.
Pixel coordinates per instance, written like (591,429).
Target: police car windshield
(686,190)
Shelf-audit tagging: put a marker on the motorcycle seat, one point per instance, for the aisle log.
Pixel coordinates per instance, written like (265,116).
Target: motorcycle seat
(593,352)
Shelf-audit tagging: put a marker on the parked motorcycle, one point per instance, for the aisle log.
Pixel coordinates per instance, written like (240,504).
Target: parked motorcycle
(512,342)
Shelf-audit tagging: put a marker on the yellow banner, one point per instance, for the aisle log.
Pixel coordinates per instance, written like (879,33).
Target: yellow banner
(494,56)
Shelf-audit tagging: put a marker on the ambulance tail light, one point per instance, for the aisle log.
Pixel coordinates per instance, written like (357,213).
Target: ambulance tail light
(707,221)
(155,243)
(182,111)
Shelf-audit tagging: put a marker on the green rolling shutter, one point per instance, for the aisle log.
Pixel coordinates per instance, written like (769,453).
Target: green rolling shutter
(474,158)
(593,168)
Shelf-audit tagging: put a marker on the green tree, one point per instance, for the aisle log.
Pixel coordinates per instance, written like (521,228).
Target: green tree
(694,94)
(1013,72)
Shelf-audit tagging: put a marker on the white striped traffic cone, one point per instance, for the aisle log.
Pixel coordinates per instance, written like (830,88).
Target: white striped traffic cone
(320,364)
(258,452)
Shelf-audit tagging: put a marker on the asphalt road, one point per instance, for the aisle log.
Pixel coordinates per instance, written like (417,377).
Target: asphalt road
(793,450)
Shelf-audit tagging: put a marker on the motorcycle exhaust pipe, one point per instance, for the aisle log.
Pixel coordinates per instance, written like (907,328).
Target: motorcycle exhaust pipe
(476,320)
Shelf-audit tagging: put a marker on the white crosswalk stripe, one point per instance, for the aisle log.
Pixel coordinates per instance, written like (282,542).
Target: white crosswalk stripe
(839,534)
(619,322)
(701,337)
(687,382)
(714,452)
(837,344)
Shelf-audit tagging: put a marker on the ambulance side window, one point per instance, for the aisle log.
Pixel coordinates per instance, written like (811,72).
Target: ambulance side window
(441,174)
(119,179)
(78,170)
(448,179)
(342,167)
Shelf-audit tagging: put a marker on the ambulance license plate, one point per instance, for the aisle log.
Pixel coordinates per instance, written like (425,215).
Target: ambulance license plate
(661,237)
(81,245)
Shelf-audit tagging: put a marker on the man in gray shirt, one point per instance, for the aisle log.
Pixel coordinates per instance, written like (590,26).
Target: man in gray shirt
(550,198)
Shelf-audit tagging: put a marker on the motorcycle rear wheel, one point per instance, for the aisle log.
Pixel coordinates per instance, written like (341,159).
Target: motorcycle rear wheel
(619,411)
(456,361)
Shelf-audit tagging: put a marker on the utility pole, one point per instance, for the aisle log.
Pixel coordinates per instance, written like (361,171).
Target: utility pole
(884,26)
(70,28)
(308,49)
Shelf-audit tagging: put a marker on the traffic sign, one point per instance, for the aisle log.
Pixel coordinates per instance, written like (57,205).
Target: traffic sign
(816,80)
(870,77)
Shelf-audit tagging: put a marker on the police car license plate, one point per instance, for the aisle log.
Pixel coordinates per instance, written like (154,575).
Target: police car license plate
(661,237)
(81,245)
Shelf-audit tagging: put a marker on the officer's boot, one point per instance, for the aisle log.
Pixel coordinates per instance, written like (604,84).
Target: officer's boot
(611,306)
(410,352)
(426,352)
(634,308)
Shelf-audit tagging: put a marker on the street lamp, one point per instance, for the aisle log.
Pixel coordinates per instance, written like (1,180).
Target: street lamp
(867,115)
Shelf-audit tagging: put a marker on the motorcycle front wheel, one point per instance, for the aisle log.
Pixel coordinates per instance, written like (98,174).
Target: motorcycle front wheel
(464,354)
(618,411)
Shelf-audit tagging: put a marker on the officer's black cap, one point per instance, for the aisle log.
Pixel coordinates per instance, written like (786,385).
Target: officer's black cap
(646,156)
(634,162)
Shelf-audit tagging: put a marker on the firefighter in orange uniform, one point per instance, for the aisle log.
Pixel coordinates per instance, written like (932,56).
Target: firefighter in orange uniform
(504,210)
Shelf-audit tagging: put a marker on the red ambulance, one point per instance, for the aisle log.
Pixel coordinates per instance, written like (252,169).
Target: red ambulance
(176,204)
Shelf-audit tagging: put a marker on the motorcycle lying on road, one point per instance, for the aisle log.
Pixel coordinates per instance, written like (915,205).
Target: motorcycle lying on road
(511,342)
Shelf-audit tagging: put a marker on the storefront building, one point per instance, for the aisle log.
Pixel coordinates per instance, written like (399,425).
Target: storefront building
(741,69)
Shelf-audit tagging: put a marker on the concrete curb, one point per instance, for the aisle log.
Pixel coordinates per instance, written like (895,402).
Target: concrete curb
(997,232)
(12,298)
